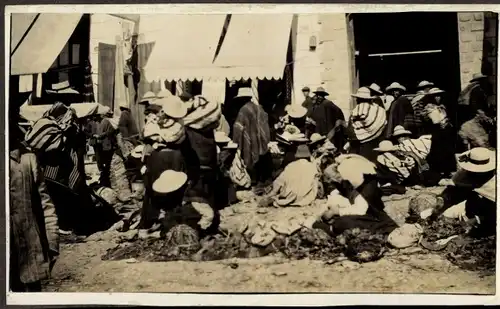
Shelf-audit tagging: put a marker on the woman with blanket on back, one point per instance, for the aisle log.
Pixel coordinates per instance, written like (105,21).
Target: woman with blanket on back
(251,133)
(56,140)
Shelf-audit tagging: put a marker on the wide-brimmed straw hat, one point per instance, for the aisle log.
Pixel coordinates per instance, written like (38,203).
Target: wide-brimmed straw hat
(321,91)
(363,93)
(395,85)
(376,88)
(400,130)
(62,88)
(221,137)
(231,145)
(296,111)
(244,92)
(316,138)
(165,93)
(477,76)
(385,146)
(169,181)
(479,160)
(147,97)
(435,91)
(302,152)
(172,106)
(137,152)
(424,84)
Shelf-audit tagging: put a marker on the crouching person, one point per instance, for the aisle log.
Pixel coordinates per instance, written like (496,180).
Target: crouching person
(474,183)
(357,201)
(34,238)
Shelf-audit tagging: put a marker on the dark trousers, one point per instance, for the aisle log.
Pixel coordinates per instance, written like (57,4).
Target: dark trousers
(104,164)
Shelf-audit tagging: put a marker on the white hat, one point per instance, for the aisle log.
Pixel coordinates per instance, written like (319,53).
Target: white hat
(363,93)
(479,160)
(385,146)
(316,138)
(231,145)
(395,85)
(124,104)
(244,92)
(137,152)
(296,111)
(169,181)
(172,106)
(148,96)
(435,91)
(164,94)
(62,87)
(425,84)
(376,88)
(221,137)
(400,130)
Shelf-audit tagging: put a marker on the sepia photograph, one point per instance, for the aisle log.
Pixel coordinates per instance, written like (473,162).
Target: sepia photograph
(224,151)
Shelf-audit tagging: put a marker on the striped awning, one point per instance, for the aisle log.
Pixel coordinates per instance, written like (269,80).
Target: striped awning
(184,47)
(37,40)
(255,46)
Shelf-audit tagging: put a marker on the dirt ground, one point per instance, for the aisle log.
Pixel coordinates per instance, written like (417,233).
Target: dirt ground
(80,269)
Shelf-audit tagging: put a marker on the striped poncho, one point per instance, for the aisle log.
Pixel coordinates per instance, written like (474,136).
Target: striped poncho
(410,153)
(54,138)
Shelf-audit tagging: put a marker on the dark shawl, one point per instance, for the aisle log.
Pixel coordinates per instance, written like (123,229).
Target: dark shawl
(398,114)
(325,114)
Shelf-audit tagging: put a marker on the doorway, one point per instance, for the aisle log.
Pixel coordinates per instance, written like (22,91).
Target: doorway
(408,48)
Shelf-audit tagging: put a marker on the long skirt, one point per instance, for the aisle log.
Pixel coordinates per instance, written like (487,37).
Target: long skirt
(119,181)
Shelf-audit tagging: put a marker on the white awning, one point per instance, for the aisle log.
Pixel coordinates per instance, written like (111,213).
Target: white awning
(43,42)
(255,46)
(185,45)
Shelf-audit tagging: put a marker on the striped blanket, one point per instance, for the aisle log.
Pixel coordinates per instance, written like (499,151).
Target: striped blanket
(49,135)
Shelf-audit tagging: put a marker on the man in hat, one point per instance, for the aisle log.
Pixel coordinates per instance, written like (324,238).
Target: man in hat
(424,86)
(377,94)
(401,112)
(308,101)
(325,114)
(34,230)
(252,134)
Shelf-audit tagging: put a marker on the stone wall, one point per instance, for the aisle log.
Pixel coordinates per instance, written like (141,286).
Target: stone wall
(478,45)
(330,65)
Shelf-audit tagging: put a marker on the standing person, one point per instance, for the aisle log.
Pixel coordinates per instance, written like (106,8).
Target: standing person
(473,98)
(251,133)
(308,100)
(113,172)
(401,112)
(366,125)
(34,231)
(377,94)
(325,114)
(130,135)
(201,121)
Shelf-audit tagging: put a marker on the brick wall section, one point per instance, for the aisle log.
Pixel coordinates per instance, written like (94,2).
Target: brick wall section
(306,63)
(335,59)
(471,35)
(330,64)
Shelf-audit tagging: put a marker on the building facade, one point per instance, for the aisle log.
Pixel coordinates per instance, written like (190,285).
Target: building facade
(341,52)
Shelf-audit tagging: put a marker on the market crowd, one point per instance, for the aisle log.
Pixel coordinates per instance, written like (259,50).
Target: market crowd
(193,161)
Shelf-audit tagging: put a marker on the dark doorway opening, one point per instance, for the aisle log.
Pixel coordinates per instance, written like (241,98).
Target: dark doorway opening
(408,48)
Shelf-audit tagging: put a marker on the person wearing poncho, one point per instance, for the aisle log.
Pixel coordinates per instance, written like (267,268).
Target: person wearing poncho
(324,114)
(57,140)
(403,163)
(298,184)
(252,134)
(473,98)
(474,183)
(401,112)
(357,201)
(366,125)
